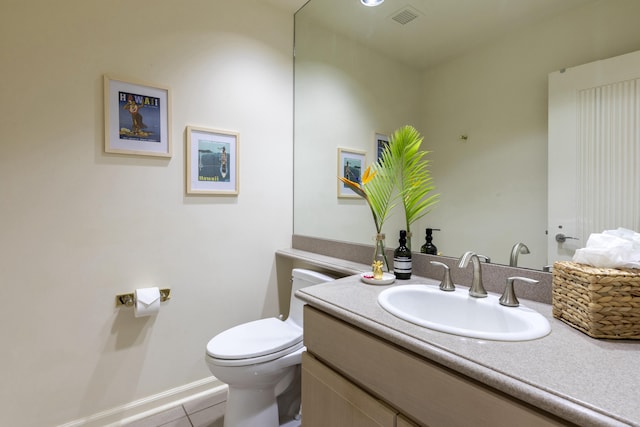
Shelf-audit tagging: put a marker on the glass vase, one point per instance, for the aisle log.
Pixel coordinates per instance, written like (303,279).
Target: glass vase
(409,235)
(379,255)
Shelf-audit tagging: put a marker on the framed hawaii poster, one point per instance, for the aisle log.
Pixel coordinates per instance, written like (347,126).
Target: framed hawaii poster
(136,117)
(212,161)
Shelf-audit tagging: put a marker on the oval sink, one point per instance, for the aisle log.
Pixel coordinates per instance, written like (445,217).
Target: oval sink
(460,314)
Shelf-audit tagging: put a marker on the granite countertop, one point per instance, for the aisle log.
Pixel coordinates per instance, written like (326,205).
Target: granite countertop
(584,380)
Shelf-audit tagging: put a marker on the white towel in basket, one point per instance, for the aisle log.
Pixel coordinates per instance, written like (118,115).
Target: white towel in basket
(611,249)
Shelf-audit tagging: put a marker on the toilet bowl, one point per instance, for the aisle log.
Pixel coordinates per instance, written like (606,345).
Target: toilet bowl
(260,362)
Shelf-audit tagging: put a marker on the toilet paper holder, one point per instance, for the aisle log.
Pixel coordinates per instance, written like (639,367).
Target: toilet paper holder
(130,299)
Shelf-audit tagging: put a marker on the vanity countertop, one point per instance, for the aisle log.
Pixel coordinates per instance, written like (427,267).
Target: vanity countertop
(584,380)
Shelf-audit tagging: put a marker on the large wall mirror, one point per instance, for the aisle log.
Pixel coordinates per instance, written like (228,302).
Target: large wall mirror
(472,77)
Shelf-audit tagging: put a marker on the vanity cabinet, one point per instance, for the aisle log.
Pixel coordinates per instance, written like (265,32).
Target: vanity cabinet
(354,378)
(331,400)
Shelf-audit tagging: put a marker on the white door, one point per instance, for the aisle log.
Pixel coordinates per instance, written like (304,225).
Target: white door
(594,153)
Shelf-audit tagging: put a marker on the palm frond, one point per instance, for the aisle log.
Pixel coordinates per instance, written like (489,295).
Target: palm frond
(379,190)
(412,175)
(401,173)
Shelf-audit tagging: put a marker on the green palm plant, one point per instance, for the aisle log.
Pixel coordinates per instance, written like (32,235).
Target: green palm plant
(401,166)
(406,163)
(377,189)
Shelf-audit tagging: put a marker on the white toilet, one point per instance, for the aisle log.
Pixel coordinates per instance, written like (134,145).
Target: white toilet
(260,361)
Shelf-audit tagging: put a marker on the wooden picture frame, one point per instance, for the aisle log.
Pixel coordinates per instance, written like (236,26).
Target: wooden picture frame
(136,117)
(351,165)
(212,161)
(381,141)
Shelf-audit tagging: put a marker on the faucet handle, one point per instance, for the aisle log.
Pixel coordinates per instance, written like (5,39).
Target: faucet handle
(446,284)
(509,298)
(486,258)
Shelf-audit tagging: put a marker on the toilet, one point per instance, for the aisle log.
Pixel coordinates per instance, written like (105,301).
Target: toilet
(260,362)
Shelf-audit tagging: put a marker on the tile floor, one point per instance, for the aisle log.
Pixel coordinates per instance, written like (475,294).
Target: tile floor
(205,412)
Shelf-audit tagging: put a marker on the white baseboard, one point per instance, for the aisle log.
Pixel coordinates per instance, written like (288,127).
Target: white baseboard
(151,405)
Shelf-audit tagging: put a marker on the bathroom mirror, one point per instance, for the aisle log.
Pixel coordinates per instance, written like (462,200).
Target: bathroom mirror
(471,76)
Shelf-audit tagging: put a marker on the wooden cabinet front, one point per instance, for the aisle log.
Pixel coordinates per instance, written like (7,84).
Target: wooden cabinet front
(328,399)
(414,386)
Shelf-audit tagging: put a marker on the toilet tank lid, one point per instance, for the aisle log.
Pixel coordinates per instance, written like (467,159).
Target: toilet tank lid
(310,275)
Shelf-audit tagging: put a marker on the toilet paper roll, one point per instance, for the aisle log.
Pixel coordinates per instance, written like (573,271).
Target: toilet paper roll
(147,302)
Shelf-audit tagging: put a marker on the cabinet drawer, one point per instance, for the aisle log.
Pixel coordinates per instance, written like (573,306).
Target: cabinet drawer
(330,400)
(423,390)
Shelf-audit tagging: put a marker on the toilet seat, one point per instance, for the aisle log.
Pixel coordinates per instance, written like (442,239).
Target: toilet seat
(254,342)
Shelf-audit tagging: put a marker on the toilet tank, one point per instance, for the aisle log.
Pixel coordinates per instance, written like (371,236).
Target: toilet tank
(301,278)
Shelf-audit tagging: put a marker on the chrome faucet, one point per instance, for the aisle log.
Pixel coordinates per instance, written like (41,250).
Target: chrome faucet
(477,289)
(518,248)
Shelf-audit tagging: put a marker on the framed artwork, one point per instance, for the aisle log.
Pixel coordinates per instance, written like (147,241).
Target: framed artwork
(212,161)
(381,142)
(136,118)
(350,166)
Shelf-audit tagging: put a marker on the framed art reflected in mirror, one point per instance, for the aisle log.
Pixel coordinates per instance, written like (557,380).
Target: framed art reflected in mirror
(350,166)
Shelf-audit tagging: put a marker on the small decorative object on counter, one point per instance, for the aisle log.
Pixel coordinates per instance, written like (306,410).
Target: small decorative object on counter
(429,247)
(402,258)
(379,256)
(377,270)
(377,275)
(369,278)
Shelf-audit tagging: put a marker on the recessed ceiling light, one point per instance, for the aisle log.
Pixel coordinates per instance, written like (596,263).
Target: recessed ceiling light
(371,3)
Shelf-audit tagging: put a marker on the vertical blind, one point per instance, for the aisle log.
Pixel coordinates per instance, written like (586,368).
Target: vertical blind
(608,154)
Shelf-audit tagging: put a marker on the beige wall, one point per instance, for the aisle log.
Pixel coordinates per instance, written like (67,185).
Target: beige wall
(495,183)
(79,226)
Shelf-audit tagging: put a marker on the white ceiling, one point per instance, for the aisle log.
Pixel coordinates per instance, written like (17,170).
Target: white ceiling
(443,28)
(289,5)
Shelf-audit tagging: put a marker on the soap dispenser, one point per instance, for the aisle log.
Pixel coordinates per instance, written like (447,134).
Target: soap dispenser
(429,247)
(402,258)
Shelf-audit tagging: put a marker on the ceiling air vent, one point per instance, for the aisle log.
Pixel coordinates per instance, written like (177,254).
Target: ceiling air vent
(405,15)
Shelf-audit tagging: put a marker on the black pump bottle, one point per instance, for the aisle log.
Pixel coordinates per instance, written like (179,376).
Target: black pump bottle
(429,247)
(402,258)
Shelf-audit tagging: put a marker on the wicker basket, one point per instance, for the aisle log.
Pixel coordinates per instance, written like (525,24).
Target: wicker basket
(601,302)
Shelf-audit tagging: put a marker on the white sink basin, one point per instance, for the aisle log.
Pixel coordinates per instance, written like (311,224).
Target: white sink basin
(459,314)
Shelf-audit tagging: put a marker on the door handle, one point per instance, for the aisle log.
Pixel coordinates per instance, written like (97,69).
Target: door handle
(561,238)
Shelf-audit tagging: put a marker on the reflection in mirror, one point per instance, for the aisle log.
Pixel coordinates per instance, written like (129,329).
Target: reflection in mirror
(474,84)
